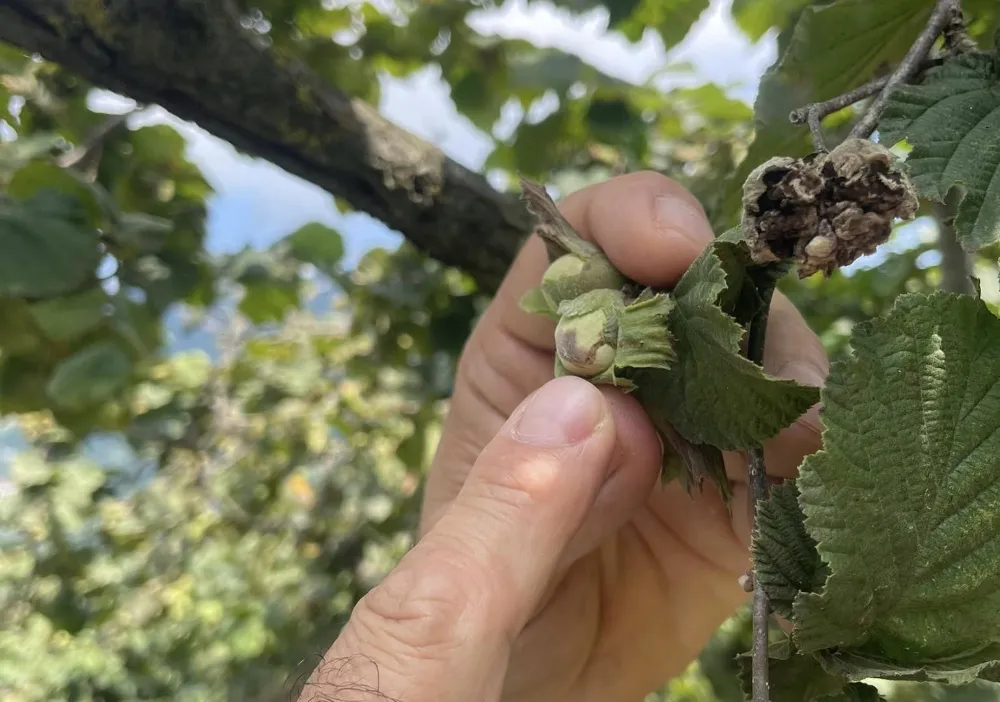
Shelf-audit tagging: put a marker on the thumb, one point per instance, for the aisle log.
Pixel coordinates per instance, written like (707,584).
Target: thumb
(441,625)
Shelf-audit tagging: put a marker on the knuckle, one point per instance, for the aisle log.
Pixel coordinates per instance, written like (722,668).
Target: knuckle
(426,612)
(525,481)
(647,176)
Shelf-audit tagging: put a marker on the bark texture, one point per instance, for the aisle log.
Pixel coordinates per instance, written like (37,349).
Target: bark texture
(194,59)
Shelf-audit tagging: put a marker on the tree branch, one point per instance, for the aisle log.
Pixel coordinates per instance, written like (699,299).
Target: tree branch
(956,264)
(956,33)
(758,492)
(813,114)
(908,67)
(946,18)
(194,59)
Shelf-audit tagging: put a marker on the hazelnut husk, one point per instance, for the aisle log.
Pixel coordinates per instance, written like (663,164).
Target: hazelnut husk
(571,275)
(825,210)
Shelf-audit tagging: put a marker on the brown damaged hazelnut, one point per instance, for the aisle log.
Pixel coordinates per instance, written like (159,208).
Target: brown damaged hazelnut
(825,210)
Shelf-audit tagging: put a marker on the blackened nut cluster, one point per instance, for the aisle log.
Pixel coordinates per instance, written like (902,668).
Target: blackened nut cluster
(825,210)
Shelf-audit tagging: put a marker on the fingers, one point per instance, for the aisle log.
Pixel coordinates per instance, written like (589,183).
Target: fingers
(648,225)
(636,462)
(793,351)
(440,626)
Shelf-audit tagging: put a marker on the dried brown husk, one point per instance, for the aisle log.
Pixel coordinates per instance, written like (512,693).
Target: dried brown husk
(825,210)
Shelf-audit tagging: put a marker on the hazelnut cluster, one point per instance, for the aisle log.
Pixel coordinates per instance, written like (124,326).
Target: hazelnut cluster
(825,210)
(606,325)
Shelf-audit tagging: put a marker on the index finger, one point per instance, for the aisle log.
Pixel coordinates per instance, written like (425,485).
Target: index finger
(647,224)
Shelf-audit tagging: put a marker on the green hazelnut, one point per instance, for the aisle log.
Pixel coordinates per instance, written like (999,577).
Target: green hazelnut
(585,344)
(571,275)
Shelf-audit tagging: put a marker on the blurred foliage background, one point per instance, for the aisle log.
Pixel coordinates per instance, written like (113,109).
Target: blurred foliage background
(195,525)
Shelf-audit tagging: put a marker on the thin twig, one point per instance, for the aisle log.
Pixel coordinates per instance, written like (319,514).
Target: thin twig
(813,114)
(758,492)
(908,67)
(956,264)
(956,33)
(94,141)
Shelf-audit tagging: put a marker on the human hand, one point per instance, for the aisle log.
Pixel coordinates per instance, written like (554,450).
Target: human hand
(552,564)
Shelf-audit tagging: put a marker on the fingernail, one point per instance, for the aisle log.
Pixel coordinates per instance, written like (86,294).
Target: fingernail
(564,411)
(683,218)
(803,373)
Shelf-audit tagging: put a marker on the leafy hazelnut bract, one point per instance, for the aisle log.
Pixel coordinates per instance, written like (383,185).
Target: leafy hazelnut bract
(677,350)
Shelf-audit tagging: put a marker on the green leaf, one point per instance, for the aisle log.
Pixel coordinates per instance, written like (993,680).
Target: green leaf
(756,17)
(534,302)
(832,49)
(535,70)
(746,280)
(317,244)
(40,176)
(165,277)
(269,301)
(89,376)
(17,153)
(617,9)
(143,232)
(855,692)
(952,121)
(22,384)
(794,678)
(902,498)
(956,670)
(672,19)
(47,248)
(983,19)
(68,318)
(713,394)
(189,370)
(784,555)
(18,332)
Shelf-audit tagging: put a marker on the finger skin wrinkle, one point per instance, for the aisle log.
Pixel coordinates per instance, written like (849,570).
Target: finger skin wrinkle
(428,610)
(504,366)
(512,328)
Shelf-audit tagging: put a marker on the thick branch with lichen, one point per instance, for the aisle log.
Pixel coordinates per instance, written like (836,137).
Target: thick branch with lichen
(193,58)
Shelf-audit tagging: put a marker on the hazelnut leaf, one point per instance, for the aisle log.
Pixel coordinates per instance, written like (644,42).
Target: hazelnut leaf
(952,121)
(785,558)
(902,499)
(795,677)
(713,394)
(534,302)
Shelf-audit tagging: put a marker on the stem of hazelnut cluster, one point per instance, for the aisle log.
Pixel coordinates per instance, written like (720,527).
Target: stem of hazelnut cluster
(758,492)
